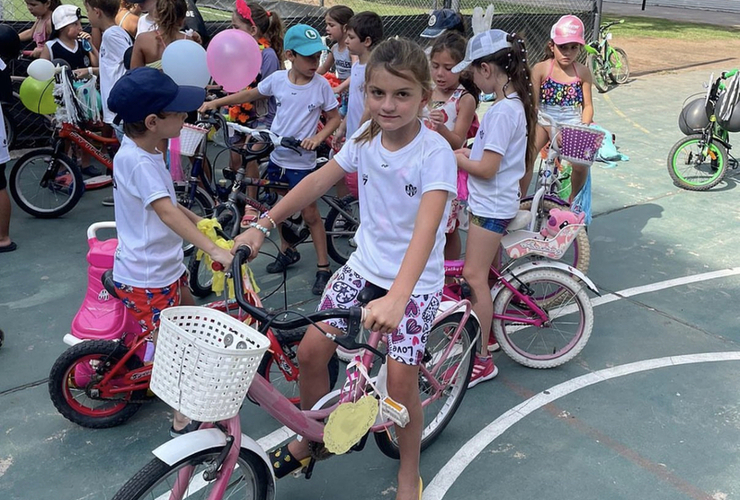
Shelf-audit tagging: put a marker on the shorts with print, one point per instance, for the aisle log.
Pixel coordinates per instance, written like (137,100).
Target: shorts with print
(276,173)
(407,342)
(496,225)
(146,304)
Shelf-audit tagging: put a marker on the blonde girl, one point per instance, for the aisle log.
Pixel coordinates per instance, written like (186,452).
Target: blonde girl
(503,146)
(41,29)
(452,114)
(408,181)
(562,88)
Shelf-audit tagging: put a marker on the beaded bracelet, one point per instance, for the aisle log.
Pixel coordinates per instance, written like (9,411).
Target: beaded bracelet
(266,215)
(264,230)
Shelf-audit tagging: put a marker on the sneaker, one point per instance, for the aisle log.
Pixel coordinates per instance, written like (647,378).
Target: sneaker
(322,278)
(493,344)
(192,426)
(283,261)
(483,369)
(91,171)
(108,201)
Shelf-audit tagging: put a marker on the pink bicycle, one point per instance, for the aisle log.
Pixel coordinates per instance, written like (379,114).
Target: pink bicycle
(218,461)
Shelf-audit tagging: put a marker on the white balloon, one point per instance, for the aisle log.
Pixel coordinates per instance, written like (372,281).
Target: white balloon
(185,62)
(41,69)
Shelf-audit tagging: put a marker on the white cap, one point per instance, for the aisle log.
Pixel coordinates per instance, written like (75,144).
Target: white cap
(64,15)
(482,45)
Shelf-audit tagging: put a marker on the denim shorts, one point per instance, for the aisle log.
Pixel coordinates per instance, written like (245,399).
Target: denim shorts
(276,173)
(496,225)
(563,114)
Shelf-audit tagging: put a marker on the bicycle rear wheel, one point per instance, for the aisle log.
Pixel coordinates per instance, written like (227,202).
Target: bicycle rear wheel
(340,230)
(249,480)
(691,169)
(596,65)
(620,66)
(42,192)
(562,337)
(451,374)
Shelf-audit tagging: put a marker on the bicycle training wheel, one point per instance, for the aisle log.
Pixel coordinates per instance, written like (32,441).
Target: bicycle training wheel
(271,371)
(451,373)
(620,66)
(340,230)
(46,186)
(201,205)
(579,253)
(596,65)
(77,370)
(692,169)
(249,479)
(554,342)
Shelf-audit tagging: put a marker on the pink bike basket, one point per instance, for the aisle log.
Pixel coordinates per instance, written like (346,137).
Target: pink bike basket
(579,144)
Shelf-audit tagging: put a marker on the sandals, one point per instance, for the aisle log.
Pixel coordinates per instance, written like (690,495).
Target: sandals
(284,463)
(250,215)
(192,426)
(322,278)
(283,261)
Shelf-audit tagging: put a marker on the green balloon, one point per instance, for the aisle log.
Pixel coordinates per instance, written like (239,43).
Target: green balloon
(38,96)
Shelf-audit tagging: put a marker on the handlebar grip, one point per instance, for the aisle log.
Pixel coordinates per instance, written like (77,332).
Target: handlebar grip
(217,266)
(292,143)
(729,74)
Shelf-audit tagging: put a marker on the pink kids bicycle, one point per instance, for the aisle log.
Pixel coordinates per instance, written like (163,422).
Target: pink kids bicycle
(204,366)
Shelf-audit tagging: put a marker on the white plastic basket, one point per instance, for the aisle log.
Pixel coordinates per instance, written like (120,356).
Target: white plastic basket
(190,137)
(580,144)
(204,362)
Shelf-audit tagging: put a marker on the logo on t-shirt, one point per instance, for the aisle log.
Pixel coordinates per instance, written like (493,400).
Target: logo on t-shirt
(383,165)
(481,133)
(364,179)
(277,102)
(311,107)
(411,190)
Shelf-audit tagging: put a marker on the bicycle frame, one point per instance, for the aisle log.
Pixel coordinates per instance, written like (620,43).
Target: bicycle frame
(81,137)
(602,48)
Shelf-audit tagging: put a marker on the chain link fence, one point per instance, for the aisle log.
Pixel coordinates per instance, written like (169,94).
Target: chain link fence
(406,18)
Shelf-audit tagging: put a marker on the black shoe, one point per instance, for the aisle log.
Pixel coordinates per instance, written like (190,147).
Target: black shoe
(91,171)
(322,278)
(283,261)
(108,201)
(192,426)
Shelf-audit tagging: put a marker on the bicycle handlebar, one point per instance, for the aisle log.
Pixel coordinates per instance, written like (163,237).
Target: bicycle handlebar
(353,315)
(606,26)
(262,134)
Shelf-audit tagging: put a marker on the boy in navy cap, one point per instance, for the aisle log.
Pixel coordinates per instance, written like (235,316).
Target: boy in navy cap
(301,97)
(148,269)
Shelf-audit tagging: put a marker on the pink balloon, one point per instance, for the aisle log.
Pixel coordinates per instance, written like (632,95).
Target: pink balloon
(234,59)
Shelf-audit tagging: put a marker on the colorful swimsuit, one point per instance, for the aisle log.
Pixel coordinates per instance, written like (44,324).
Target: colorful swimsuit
(562,101)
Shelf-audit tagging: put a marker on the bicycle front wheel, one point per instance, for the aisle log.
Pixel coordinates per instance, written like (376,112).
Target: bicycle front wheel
(340,230)
(46,185)
(443,380)
(620,66)
(696,166)
(564,334)
(249,479)
(596,65)
(200,278)
(201,205)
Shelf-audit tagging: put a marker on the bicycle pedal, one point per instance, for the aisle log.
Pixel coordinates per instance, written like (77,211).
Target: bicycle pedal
(308,470)
(394,411)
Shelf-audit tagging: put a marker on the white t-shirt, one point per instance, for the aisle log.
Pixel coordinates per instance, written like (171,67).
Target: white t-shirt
(145,25)
(356,101)
(149,253)
(342,61)
(503,130)
(4,154)
(112,48)
(298,110)
(391,184)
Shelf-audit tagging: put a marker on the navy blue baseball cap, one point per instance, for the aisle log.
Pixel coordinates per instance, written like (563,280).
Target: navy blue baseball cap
(145,91)
(442,20)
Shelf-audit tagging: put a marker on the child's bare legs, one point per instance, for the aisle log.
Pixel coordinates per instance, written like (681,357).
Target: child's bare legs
(318,234)
(453,245)
(403,386)
(4,214)
(578,177)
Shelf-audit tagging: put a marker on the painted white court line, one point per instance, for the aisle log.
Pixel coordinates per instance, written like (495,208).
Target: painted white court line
(447,476)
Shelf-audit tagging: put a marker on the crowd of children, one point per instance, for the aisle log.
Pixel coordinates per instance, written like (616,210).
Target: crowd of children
(401,125)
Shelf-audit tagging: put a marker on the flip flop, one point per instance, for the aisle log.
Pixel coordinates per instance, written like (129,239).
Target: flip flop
(9,248)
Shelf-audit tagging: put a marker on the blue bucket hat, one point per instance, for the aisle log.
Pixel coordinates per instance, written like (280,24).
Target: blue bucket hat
(145,91)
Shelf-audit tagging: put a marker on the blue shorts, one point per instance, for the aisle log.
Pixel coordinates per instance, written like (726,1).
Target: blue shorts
(496,225)
(276,173)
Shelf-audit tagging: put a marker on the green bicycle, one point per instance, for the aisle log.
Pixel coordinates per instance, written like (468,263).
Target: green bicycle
(606,61)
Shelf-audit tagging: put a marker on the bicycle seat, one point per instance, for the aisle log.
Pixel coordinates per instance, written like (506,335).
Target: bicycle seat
(107,280)
(520,221)
(370,293)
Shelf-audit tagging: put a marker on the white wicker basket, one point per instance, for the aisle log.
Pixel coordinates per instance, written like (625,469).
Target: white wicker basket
(190,137)
(204,362)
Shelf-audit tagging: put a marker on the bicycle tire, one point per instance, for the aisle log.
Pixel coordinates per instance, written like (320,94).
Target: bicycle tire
(688,173)
(620,66)
(436,418)
(63,194)
(9,131)
(76,365)
(289,341)
(200,279)
(339,237)
(144,484)
(596,65)
(579,253)
(201,205)
(540,347)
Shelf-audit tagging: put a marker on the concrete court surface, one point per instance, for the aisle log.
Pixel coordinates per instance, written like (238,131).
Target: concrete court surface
(640,413)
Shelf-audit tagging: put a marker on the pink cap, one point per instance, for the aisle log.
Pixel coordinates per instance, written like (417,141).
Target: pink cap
(568,29)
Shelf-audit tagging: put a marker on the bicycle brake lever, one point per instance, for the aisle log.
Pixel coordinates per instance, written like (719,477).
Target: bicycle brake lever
(349,343)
